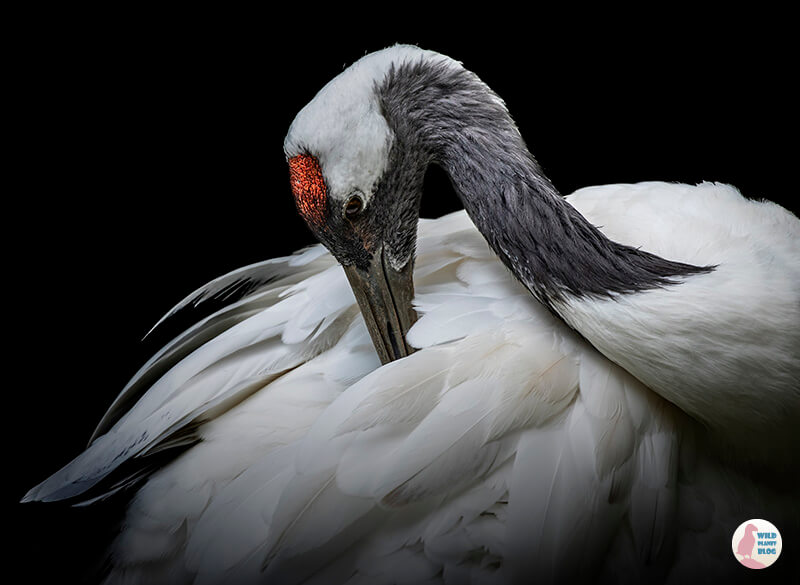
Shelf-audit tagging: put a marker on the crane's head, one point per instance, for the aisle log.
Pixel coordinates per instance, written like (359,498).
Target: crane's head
(358,192)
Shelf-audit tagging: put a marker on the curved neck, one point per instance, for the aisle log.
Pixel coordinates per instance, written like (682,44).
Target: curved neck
(445,115)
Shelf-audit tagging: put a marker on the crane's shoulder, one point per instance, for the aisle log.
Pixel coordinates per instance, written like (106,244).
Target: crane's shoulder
(731,331)
(701,224)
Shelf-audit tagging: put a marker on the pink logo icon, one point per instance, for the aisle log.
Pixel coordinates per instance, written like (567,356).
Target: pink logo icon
(756,544)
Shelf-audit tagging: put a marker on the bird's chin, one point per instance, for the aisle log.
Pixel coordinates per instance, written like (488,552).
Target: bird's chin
(385,296)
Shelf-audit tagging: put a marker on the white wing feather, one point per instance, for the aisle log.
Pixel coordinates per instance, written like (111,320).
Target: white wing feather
(506,449)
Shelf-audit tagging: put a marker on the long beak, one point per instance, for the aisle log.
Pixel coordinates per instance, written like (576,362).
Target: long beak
(384,296)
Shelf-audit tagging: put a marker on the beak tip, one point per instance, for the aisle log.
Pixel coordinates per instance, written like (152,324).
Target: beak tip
(384,295)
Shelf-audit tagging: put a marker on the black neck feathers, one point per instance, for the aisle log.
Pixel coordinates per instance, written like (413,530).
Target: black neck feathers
(445,115)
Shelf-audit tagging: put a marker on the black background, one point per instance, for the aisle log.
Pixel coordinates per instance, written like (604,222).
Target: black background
(146,158)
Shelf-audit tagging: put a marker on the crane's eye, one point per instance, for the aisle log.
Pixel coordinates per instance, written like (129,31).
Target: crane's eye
(353,207)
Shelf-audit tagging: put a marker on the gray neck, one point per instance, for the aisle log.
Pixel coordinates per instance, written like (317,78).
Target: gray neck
(447,116)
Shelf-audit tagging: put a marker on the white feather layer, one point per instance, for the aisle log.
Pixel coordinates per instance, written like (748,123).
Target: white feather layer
(506,449)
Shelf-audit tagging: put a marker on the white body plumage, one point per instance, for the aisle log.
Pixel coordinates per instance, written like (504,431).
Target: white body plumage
(505,447)
(723,348)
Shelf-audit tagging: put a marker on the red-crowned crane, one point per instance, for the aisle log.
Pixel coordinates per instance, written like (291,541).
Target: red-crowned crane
(536,389)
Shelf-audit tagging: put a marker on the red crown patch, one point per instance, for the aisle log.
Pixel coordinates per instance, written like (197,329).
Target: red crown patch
(308,188)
